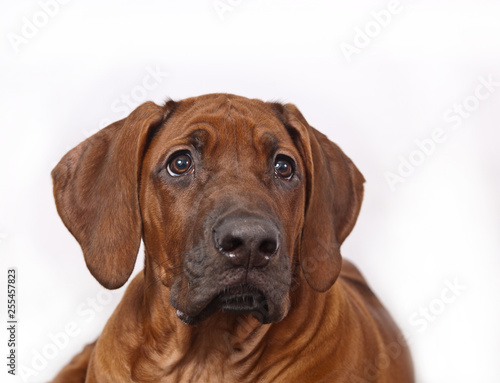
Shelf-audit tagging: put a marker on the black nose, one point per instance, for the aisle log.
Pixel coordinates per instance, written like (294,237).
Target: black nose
(247,241)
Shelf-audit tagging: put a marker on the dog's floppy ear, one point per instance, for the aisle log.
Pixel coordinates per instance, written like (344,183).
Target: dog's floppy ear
(96,193)
(334,194)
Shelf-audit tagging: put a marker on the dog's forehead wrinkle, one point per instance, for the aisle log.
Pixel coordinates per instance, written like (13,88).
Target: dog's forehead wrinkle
(232,121)
(235,127)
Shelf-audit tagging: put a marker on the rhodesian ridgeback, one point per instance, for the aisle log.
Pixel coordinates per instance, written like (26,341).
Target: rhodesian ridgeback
(242,207)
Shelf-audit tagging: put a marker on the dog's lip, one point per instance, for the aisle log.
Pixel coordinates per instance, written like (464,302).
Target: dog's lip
(239,299)
(188,319)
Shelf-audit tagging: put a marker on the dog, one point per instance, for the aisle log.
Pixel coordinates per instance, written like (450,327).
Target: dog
(242,207)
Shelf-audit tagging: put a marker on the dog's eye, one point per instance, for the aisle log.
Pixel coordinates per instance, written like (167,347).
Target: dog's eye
(180,164)
(283,167)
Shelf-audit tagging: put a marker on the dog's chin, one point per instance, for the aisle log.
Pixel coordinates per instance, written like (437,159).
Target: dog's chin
(242,299)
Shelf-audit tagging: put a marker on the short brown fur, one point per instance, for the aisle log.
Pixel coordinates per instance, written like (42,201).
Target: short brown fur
(322,324)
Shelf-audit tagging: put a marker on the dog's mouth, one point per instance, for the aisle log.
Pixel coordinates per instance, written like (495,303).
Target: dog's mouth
(240,299)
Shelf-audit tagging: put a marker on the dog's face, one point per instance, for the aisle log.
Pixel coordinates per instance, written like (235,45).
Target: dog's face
(229,195)
(222,201)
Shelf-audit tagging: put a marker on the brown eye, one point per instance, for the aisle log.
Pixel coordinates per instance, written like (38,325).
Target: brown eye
(180,164)
(283,167)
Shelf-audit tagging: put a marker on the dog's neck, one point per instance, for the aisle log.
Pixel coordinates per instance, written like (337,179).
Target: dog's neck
(172,348)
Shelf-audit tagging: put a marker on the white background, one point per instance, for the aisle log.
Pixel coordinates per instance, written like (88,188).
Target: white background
(438,227)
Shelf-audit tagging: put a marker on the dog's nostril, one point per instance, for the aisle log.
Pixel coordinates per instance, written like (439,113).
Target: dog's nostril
(230,244)
(268,247)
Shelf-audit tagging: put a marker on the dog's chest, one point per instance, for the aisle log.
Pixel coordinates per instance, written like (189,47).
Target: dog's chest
(202,372)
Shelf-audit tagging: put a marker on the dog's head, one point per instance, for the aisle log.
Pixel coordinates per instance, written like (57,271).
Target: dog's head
(232,197)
